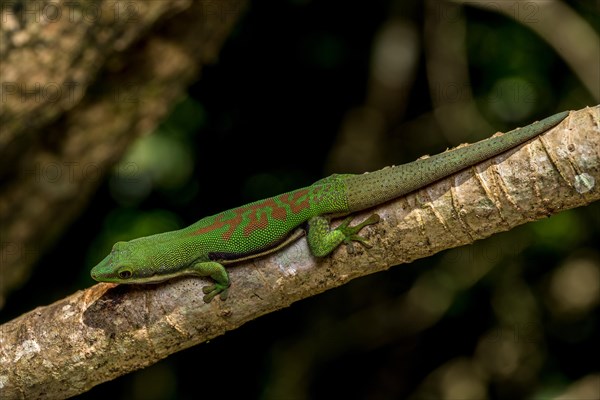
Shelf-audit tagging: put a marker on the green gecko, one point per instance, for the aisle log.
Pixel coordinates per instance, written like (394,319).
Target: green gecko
(266,226)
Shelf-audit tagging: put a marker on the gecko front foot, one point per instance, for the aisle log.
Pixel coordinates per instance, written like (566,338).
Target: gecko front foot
(218,273)
(211,291)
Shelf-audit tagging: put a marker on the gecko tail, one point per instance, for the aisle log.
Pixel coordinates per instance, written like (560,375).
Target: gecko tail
(370,189)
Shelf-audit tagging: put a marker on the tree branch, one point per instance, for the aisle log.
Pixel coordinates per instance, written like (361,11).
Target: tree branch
(108,330)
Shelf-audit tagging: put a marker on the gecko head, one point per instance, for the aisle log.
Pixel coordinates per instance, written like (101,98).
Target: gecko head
(133,262)
(117,266)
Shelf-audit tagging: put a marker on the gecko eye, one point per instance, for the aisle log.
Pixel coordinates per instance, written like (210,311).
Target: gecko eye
(124,273)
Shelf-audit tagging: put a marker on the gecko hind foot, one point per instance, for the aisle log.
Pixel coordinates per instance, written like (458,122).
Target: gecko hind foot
(211,291)
(351,232)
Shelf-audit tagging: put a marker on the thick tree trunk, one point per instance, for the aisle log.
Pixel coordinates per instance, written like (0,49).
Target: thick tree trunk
(80,81)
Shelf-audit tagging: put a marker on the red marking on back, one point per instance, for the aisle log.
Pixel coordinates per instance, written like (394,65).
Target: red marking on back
(257,214)
(219,223)
(294,202)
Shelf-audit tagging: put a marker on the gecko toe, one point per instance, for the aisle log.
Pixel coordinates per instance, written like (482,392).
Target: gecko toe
(224,294)
(208,289)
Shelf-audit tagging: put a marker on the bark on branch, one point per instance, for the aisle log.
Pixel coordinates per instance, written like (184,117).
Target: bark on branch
(108,330)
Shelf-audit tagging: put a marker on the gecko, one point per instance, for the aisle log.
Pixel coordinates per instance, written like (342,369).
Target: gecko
(208,246)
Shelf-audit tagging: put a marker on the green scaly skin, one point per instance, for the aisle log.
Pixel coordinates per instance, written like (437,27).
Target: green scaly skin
(265,226)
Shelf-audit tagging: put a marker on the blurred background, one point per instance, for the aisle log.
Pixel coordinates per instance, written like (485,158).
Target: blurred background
(303,89)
